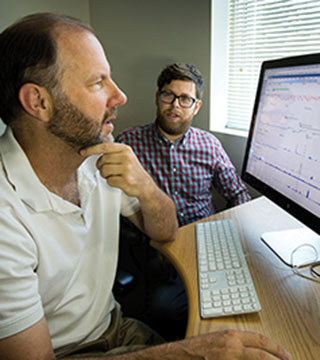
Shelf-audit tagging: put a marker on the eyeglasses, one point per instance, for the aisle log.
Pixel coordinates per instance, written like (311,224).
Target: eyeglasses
(169,97)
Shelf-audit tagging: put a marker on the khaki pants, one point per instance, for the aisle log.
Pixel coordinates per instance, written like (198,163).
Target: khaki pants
(123,335)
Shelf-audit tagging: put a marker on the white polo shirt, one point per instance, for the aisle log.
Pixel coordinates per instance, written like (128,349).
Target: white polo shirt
(56,259)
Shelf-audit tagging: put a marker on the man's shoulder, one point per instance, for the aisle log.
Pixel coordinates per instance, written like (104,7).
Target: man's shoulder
(203,135)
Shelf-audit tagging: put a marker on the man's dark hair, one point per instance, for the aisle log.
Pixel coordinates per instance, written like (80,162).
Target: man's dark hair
(29,53)
(180,71)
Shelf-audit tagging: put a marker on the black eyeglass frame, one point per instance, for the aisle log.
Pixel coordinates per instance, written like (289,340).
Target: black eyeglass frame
(170,93)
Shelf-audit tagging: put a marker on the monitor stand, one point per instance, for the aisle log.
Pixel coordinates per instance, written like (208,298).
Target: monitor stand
(283,244)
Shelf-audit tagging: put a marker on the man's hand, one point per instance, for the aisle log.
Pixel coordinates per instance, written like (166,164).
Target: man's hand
(219,345)
(233,345)
(121,168)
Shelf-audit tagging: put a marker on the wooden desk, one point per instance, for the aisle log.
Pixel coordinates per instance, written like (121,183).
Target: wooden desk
(290,312)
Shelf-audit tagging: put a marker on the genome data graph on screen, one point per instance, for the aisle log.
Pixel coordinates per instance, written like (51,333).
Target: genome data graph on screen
(285,148)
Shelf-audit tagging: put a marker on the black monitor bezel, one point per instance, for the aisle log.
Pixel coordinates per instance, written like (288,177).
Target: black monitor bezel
(302,214)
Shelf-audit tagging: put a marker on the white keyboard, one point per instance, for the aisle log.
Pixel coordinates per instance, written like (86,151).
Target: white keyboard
(225,283)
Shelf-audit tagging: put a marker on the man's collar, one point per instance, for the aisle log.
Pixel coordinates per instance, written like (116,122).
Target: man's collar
(25,182)
(160,137)
(20,173)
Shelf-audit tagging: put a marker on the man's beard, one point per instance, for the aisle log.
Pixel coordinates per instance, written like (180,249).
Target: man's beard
(70,124)
(170,128)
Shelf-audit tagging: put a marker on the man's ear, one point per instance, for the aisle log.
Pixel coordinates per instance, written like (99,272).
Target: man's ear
(157,98)
(197,107)
(36,101)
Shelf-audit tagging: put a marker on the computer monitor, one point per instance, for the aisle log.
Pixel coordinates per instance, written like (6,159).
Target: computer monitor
(282,157)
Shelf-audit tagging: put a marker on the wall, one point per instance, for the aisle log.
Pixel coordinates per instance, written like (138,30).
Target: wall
(12,10)
(141,37)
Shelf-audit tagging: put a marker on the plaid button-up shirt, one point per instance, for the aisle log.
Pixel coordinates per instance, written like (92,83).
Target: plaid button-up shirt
(187,169)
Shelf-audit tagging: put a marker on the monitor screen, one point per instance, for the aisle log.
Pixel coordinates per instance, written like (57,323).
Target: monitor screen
(282,158)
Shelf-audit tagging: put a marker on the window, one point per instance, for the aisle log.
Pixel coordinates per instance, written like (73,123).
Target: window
(245,33)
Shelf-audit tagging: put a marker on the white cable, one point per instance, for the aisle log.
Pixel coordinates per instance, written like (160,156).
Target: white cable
(299,247)
(294,268)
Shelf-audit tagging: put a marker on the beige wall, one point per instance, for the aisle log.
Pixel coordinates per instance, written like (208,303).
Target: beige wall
(143,36)
(12,10)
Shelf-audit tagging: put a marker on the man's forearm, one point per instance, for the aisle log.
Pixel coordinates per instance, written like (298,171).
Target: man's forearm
(159,216)
(226,345)
(168,351)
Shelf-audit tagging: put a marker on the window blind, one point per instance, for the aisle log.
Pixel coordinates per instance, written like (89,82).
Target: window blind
(262,30)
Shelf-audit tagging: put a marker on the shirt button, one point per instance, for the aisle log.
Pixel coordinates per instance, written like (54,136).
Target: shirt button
(176,192)
(174,169)
(181,214)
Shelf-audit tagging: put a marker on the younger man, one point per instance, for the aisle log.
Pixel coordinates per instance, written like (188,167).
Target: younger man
(187,163)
